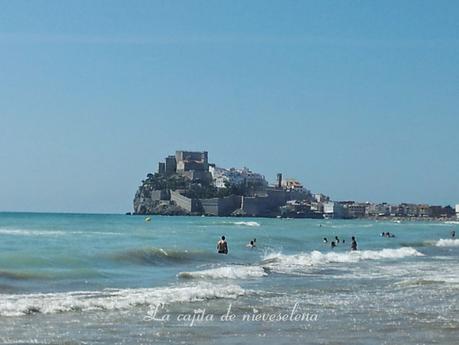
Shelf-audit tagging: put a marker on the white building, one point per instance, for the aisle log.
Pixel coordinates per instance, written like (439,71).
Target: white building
(233,177)
(319,197)
(333,210)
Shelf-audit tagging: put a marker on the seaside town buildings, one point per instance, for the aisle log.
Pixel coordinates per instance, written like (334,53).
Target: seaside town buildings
(223,177)
(186,183)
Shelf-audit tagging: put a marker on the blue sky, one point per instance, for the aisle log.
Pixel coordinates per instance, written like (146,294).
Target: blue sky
(357,99)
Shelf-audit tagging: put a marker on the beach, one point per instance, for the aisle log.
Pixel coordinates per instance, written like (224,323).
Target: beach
(116,279)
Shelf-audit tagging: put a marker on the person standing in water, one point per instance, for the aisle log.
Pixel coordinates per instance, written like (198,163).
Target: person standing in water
(353,244)
(251,244)
(336,239)
(222,246)
(453,234)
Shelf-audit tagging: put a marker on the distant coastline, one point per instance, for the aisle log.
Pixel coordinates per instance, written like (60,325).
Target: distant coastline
(187,184)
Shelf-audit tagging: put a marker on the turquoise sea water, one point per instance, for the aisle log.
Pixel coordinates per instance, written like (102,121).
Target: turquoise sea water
(77,278)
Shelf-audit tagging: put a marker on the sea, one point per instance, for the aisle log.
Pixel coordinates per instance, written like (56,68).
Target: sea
(119,279)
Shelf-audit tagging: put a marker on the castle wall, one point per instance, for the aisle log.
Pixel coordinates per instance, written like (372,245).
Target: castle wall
(263,205)
(221,206)
(160,195)
(190,205)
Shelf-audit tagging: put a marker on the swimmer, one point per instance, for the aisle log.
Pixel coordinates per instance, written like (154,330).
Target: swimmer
(453,234)
(332,244)
(251,245)
(325,240)
(337,239)
(353,244)
(222,246)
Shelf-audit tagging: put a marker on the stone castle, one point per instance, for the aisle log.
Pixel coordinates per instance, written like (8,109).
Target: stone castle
(187,184)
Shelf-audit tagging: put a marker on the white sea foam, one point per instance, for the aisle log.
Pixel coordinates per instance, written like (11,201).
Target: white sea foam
(447,243)
(226,272)
(253,224)
(26,232)
(281,263)
(353,225)
(112,299)
(33,232)
(387,253)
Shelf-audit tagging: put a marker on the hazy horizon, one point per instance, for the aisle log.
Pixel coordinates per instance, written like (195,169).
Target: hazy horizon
(357,100)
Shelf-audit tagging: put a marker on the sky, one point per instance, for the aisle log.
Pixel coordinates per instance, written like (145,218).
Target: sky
(358,100)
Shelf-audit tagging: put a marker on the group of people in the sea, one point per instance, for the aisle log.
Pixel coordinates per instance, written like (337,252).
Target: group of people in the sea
(387,234)
(222,245)
(252,244)
(337,241)
(334,242)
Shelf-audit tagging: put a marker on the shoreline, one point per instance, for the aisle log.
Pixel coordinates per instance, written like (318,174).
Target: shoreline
(453,220)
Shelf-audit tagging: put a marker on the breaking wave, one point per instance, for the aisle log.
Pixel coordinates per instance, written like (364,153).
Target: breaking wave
(298,263)
(113,299)
(343,226)
(447,243)
(281,263)
(253,224)
(226,272)
(32,232)
(25,232)
(231,223)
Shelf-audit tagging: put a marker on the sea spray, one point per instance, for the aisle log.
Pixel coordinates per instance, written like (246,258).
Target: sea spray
(113,299)
(250,224)
(53,233)
(281,263)
(226,272)
(447,243)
